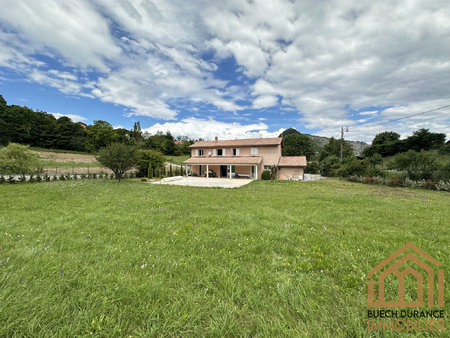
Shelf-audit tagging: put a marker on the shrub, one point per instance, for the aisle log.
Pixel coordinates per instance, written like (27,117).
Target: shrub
(429,185)
(38,178)
(265,175)
(443,186)
(144,179)
(352,167)
(329,166)
(62,177)
(68,176)
(352,178)
(111,176)
(11,179)
(413,184)
(380,180)
(83,176)
(31,179)
(75,177)
(367,180)
(22,179)
(395,182)
(94,176)
(313,167)
(18,159)
(2,179)
(55,178)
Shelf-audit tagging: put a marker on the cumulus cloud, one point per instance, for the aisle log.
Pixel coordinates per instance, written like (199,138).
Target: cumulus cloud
(325,61)
(265,101)
(208,129)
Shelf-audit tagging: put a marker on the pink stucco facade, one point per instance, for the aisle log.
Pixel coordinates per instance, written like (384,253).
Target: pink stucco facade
(245,158)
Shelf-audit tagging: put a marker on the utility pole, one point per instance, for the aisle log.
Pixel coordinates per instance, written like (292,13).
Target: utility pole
(343,130)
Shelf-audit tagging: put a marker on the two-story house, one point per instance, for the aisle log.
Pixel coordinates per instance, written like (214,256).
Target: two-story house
(243,158)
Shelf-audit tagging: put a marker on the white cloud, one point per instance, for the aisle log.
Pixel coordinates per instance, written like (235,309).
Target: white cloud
(369,112)
(208,129)
(265,101)
(73,117)
(323,60)
(73,29)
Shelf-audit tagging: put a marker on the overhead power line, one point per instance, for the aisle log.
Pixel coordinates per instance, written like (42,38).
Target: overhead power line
(404,117)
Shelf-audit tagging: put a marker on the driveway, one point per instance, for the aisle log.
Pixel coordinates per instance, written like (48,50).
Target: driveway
(208,182)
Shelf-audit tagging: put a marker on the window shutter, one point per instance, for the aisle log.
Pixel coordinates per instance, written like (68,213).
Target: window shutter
(224,152)
(214,152)
(196,152)
(237,152)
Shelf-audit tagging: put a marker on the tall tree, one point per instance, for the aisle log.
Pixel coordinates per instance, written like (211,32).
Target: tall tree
(99,135)
(298,145)
(333,147)
(423,139)
(136,134)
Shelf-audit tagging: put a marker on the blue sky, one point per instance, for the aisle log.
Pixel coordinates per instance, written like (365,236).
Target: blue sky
(234,68)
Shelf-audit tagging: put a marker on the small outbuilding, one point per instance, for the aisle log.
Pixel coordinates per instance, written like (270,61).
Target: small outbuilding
(291,167)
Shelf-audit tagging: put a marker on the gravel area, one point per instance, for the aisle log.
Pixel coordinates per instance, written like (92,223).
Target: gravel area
(208,182)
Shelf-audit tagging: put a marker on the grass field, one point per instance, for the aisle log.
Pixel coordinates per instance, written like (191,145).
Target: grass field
(59,162)
(177,159)
(267,259)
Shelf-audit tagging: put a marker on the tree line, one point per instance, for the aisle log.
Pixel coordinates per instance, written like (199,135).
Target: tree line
(422,156)
(23,125)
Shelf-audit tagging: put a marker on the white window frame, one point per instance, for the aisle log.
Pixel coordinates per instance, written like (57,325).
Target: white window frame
(235,151)
(267,167)
(200,152)
(254,151)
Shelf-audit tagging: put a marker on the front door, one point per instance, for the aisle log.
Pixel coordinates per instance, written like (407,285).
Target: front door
(223,171)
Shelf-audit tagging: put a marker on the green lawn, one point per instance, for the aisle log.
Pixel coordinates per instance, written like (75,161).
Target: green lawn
(267,259)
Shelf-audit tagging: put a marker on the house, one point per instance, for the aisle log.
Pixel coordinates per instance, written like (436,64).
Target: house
(243,158)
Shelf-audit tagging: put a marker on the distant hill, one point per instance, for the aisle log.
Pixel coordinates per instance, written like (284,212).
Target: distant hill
(320,141)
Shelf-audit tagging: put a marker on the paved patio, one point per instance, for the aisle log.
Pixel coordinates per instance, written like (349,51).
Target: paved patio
(208,182)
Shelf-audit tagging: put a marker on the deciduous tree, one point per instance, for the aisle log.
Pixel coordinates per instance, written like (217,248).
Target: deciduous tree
(118,157)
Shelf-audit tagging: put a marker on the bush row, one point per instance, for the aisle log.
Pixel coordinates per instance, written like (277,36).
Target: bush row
(62,177)
(402,182)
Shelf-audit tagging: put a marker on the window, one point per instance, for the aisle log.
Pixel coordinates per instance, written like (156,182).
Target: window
(267,167)
(220,152)
(201,152)
(254,151)
(235,151)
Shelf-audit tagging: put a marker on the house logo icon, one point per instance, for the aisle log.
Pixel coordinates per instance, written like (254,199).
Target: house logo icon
(404,263)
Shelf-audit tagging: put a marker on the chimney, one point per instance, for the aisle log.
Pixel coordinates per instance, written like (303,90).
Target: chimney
(216,139)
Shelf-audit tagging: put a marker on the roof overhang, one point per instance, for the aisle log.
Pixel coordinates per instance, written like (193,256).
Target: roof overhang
(229,160)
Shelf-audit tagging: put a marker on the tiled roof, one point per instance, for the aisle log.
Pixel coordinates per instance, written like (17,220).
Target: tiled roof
(223,160)
(292,161)
(238,143)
